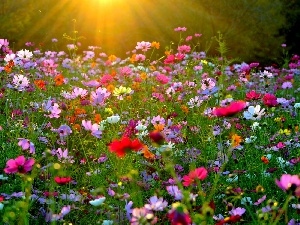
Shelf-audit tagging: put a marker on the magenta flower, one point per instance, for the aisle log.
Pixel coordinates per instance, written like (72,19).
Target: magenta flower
(230,110)
(288,182)
(270,100)
(19,165)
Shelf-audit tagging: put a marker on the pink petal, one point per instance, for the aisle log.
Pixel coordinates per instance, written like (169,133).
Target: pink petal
(20,160)
(28,164)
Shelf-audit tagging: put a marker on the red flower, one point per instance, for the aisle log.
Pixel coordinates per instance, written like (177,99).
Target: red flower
(197,174)
(120,147)
(270,100)
(252,95)
(62,180)
(231,109)
(157,137)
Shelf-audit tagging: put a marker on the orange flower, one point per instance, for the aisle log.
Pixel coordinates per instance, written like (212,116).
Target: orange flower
(159,127)
(143,76)
(59,80)
(97,118)
(93,64)
(264,159)
(167,52)
(112,58)
(133,58)
(8,67)
(113,73)
(236,140)
(110,88)
(147,153)
(155,44)
(184,109)
(76,127)
(71,119)
(135,86)
(41,84)
(79,111)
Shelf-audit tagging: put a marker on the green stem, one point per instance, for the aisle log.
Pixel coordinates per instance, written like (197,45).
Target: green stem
(284,209)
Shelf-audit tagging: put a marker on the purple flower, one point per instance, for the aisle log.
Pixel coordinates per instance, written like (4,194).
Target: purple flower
(128,209)
(99,96)
(94,128)
(175,192)
(26,144)
(156,204)
(293,222)
(259,201)
(237,211)
(64,130)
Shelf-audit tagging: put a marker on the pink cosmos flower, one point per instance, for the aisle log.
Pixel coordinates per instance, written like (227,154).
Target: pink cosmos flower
(288,182)
(19,165)
(197,174)
(180,29)
(163,79)
(184,48)
(144,46)
(231,109)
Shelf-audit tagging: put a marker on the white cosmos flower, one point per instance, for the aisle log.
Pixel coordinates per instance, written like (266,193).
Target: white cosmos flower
(9,57)
(98,201)
(254,113)
(20,82)
(113,119)
(24,54)
(140,127)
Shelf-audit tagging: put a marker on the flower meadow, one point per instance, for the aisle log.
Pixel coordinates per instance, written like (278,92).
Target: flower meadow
(176,138)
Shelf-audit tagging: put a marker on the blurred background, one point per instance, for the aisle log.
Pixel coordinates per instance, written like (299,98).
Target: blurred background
(254,30)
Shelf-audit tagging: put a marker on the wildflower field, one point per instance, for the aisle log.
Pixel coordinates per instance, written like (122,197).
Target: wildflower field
(176,138)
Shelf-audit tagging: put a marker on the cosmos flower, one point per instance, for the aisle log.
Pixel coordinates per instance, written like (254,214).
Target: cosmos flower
(254,113)
(64,131)
(20,82)
(288,182)
(26,144)
(113,119)
(98,201)
(156,204)
(24,54)
(270,100)
(174,191)
(197,174)
(94,128)
(144,46)
(252,95)
(62,180)
(124,145)
(233,108)
(142,216)
(19,165)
